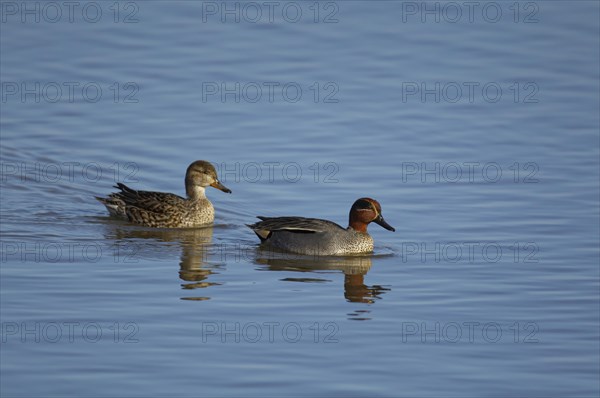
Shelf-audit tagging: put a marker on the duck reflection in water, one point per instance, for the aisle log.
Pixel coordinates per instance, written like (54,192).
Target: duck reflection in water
(354,268)
(193,243)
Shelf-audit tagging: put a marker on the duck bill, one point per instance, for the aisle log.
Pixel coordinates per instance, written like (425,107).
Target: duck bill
(379,220)
(217,184)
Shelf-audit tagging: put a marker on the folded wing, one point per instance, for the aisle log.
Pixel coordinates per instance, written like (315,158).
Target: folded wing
(269,225)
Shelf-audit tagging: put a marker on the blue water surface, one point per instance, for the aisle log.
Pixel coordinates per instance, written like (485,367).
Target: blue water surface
(475,126)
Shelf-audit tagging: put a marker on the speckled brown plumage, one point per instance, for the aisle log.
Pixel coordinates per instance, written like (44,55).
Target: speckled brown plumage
(167,210)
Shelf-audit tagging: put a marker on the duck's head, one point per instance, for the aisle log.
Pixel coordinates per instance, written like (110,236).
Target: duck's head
(199,175)
(365,211)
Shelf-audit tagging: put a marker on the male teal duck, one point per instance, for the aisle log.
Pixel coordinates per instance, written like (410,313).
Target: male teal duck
(167,210)
(314,236)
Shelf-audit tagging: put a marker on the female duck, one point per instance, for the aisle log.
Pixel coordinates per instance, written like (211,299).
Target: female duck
(167,210)
(321,237)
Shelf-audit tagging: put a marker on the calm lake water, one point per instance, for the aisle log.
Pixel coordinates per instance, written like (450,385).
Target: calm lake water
(475,126)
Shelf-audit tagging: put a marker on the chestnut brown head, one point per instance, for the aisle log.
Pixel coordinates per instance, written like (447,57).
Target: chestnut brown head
(365,211)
